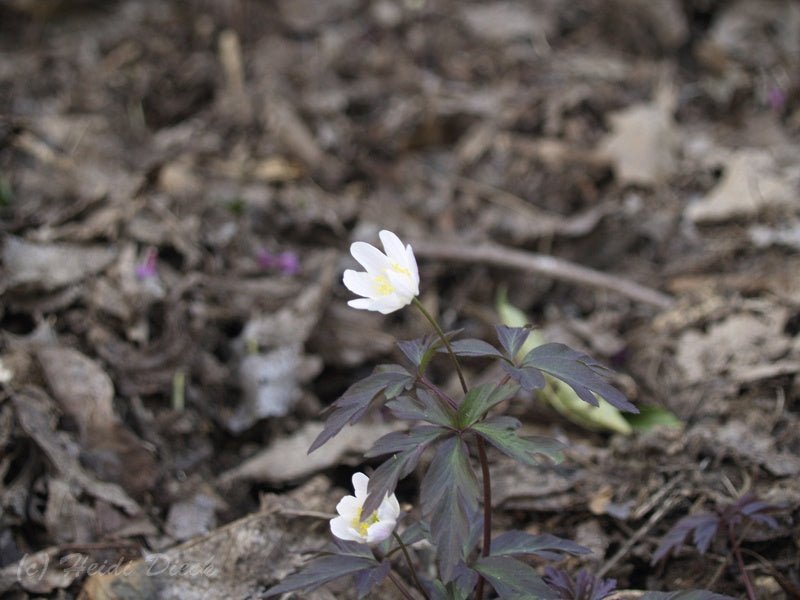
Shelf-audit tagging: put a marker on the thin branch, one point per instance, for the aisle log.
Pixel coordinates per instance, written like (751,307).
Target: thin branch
(410,565)
(542,264)
(401,586)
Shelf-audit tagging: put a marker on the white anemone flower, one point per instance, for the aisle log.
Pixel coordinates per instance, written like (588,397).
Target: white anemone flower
(391,280)
(372,530)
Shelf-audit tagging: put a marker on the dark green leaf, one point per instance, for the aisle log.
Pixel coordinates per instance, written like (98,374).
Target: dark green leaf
(513,579)
(543,545)
(473,347)
(367,580)
(402,441)
(352,405)
(579,371)
(425,407)
(322,571)
(449,498)
(499,433)
(512,338)
(529,379)
(480,399)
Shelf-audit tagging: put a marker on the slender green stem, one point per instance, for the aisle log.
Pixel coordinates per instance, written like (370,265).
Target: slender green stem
(410,565)
(446,343)
(400,586)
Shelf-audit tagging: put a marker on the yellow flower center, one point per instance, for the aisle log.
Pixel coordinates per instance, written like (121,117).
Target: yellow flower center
(362,526)
(397,267)
(383,286)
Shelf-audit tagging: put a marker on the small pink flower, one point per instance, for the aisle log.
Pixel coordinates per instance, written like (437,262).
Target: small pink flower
(776,98)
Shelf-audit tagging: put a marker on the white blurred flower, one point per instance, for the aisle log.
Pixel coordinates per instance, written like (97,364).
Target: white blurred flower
(391,280)
(372,530)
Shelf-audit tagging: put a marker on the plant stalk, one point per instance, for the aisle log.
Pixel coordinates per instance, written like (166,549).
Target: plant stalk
(737,552)
(400,586)
(410,565)
(446,343)
(487,482)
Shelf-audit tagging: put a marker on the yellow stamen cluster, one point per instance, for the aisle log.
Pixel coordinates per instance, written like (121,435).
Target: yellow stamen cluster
(362,526)
(383,286)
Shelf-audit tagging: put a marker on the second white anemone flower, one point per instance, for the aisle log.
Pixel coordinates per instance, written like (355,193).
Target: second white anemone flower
(372,530)
(391,280)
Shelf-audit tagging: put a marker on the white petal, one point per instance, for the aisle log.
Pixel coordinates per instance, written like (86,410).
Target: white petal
(359,283)
(389,303)
(403,284)
(362,304)
(360,483)
(389,509)
(348,507)
(393,246)
(412,266)
(340,527)
(377,532)
(372,259)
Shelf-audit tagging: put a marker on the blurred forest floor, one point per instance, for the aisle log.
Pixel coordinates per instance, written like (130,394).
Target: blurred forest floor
(180,182)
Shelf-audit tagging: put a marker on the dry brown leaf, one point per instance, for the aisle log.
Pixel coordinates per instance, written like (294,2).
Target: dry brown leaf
(287,459)
(50,266)
(642,141)
(751,182)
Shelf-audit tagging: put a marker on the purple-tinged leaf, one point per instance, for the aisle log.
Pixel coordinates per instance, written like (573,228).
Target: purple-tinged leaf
(579,371)
(449,497)
(425,407)
(473,348)
(512,339)
(707,524)
(480,399)
(421,350)
(367,580)
(498,433)
(585,586)
(321,571)
(752,507)
(352,405)
(384,480)
(416,532)
(351,548)
(438,591)
(544,545)
(513,579)
(685,595)
(403,441)
(529,379)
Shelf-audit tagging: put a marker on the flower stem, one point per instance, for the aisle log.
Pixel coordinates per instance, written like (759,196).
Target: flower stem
(400,586)
(410,565)
(487,510)
(446,343)
(487,482)
(737,552)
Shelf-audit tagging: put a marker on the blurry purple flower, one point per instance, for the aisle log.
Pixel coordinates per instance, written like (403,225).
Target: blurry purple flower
(287,262)
(776,98)
(147,268)
(265,259)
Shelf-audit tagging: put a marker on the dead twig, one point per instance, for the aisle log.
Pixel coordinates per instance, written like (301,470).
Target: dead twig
(558,268)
